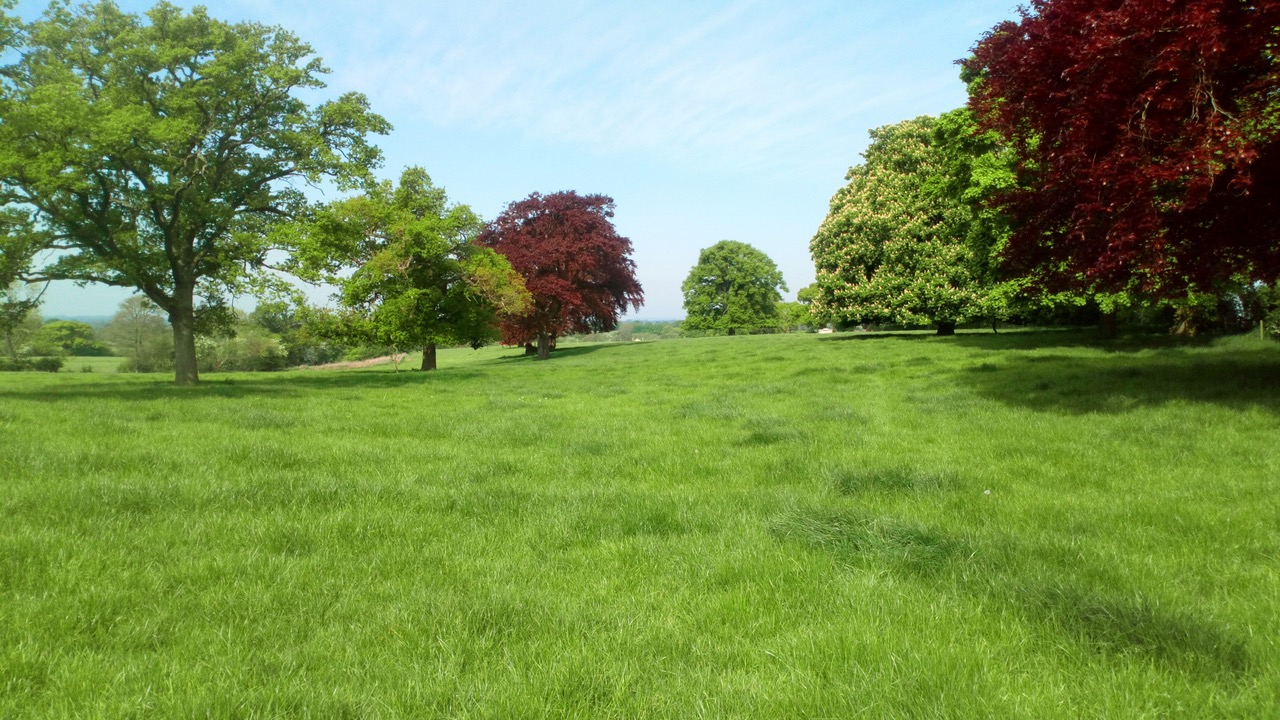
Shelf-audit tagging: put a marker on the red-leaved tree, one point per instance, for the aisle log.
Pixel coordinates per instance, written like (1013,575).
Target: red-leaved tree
(1149,136)
(574,262)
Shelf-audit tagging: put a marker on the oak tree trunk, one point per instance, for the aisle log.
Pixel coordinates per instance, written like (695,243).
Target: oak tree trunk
(182,316)
(428,357)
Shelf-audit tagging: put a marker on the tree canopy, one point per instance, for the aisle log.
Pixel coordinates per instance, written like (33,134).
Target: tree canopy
(574,263)
(156,153)
(733,287)
(1148,136)
(420,279)
(894,247)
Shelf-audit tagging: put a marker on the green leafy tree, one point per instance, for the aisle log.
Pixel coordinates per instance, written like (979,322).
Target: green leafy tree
(733,287)
(157,153)
(288,322)
(241,346)
(793,316)
(140,333)
(68,337)
(421,281)
(895,247)
(19,316)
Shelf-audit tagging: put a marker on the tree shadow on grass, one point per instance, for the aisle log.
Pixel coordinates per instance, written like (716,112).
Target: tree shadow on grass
(1115,384)
(239,385)
(1118,621)
(565,352)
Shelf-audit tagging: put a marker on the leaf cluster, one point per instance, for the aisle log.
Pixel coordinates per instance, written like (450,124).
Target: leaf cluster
(1147,140)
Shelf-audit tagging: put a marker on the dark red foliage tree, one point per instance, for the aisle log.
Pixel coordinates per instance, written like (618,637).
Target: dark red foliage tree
(1149,136)
(575,264)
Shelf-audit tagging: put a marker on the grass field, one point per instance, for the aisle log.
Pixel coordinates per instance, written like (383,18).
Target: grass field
(1013,526)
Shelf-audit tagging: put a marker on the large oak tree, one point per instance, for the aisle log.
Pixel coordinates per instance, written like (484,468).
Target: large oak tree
(1149,140)
(155,153)
(574,262)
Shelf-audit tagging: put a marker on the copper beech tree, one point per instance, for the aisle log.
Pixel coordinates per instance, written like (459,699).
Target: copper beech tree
(1149,140)
(575,265)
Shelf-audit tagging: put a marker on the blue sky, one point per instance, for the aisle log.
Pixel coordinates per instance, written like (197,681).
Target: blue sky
(705,121)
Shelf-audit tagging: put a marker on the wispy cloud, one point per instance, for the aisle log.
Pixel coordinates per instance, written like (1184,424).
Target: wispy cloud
(735,85)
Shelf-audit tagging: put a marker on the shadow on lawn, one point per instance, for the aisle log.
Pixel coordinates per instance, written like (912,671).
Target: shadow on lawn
(1114,384)
(570,351)
(1114,620)
(1038,339)
(239,385)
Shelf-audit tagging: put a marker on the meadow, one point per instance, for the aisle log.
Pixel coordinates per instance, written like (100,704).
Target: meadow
(794,526)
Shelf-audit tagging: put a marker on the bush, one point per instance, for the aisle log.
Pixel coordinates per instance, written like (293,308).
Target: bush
(47,364)
(22,364)
(252,349)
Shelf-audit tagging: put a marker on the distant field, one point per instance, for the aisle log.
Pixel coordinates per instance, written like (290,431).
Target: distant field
(1023,525)
(94,364)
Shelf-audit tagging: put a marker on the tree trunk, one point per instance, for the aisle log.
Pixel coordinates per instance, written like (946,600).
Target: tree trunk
(544,346)
(946,328)
(1109,326)
(13,351)
(182,316)
(733,331)
(428,357)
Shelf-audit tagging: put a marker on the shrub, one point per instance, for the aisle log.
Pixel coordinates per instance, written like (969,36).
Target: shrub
(22,364)
(47,364)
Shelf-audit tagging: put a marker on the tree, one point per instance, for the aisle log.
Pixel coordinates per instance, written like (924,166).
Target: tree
(68,337)
(139,332)
(421,281)
(732,287)
(157,154)
(1148,136)
(574,263)
(894,247)
(19,316)
(289,323)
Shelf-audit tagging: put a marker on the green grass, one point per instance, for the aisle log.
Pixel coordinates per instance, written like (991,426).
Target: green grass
(1011,526)
(92,364)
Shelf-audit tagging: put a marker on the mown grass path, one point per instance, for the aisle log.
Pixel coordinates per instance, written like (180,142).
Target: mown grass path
(1012,526)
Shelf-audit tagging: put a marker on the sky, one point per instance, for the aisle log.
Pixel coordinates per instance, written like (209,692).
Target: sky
(704,121)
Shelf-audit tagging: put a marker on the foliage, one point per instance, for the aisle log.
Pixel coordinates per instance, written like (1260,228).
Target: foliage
(421,281)
(793,316)
(29,364)
(733,287)
(1148,136)
(895,246)
(574,263)
(140,333)
(249,347)
(19,315)
(289,324)
(157,153)
(68,337)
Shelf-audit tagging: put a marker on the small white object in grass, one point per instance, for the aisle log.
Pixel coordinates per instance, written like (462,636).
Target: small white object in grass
(986,492)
